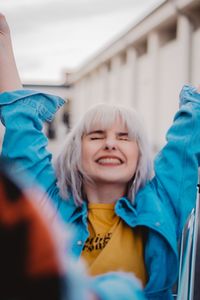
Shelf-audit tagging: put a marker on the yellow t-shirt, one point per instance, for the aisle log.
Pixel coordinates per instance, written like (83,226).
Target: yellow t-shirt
(112,245)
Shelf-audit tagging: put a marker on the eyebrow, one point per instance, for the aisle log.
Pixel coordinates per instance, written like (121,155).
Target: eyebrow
(103,131)
(95,132)
(122,133)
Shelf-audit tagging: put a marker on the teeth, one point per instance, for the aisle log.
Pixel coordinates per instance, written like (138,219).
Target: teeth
(114,161)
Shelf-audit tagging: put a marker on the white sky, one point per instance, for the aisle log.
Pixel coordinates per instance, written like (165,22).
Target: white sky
(51,36)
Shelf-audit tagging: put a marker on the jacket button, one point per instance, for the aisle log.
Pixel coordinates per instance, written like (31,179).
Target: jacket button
(79,243)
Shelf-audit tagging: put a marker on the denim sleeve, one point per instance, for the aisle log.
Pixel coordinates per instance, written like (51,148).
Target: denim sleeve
(23,113)
(176,166)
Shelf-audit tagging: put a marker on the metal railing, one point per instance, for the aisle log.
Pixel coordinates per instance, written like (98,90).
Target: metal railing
(189,269)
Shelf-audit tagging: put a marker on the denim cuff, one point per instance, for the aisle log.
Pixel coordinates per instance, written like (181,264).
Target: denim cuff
(44,104)
(189,93)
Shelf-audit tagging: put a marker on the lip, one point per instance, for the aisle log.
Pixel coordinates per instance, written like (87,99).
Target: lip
(109,160)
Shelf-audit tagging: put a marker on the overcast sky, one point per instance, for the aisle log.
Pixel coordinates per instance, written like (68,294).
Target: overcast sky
(51,36)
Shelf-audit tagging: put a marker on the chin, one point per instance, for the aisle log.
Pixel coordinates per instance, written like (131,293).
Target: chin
(109,180)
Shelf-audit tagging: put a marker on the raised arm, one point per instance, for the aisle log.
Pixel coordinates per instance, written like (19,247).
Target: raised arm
(9,77)
(173,189)
(23,113)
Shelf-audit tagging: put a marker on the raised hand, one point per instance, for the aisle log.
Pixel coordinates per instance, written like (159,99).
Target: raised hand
(9,77)
(4,28)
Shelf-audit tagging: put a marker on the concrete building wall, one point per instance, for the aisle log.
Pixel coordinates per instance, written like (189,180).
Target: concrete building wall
(195,57)
(146,67)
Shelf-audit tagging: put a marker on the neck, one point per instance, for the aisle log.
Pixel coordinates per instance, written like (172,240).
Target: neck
(104,193)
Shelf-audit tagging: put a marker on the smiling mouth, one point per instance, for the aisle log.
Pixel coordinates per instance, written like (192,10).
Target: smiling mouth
(112,161)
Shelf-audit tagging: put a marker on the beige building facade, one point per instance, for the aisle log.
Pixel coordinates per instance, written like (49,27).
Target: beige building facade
(145,68)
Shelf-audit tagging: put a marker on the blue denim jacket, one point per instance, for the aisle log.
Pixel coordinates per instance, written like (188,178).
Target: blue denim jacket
(162,205)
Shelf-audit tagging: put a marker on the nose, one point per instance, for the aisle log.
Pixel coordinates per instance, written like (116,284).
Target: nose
(110,144)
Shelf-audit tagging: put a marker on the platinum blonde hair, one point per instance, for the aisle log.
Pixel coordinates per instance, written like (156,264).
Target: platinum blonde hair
(68,166)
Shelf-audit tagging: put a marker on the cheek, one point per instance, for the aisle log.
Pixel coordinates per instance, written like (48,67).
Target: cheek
(86,152)
(84,159)
(133,157)
(85,149)
(87,156)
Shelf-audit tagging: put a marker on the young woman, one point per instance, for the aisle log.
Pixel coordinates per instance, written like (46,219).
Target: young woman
(123,221)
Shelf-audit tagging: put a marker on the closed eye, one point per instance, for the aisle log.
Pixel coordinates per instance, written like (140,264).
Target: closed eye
(96,138)
(124,139)
(96,135)
(123,136)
